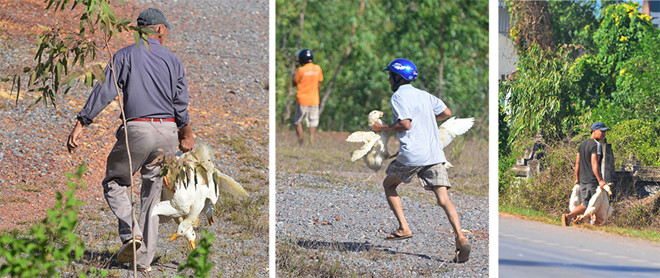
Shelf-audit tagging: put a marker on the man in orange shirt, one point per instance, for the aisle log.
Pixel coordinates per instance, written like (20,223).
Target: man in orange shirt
(307,79)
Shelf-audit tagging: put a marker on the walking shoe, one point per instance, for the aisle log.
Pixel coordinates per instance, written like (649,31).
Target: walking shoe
(125,254)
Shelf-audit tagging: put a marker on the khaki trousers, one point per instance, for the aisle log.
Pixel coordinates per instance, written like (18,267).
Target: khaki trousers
(146,140)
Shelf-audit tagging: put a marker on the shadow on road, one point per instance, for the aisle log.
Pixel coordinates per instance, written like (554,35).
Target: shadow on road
(357,247)
(613,268)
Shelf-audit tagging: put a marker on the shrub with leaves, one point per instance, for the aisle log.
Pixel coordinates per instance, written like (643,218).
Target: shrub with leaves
(52,243)
(63,58)
(198,259)
(542,94)
(636,137)
(550,190)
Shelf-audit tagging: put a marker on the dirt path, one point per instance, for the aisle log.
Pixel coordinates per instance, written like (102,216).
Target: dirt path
(332,217)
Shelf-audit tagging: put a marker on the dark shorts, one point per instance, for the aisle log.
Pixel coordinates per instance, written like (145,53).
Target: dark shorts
(586,191)
(429,176)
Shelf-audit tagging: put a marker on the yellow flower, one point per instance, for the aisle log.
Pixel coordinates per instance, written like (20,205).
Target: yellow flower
(622,71)
(644,17)
(623,38)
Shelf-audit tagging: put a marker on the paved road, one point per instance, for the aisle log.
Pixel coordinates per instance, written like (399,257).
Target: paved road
(532,249)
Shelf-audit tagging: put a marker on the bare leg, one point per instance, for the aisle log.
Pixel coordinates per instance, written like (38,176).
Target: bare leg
(445,203)
(390,184)
(311,134)
(299,132)
(577,211)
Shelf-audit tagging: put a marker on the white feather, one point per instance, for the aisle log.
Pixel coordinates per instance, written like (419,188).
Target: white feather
(195,191)
(574,201)
(374,151)
(598,209)
(452,128)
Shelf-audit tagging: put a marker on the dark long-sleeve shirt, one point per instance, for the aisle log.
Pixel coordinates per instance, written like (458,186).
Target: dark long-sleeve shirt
(153,81)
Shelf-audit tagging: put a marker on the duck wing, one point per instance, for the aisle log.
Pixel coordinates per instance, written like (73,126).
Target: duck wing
(227,184)
(166,208)
(369,138)
(452,128)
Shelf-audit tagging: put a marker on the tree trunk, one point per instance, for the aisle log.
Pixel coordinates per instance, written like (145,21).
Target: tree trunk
(349,48)
(290,91)
(441,70)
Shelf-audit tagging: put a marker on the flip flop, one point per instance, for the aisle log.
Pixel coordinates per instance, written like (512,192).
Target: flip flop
(395,236)
(463,253)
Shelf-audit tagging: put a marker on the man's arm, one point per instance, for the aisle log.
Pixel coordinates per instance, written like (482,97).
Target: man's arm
(399,126)
(577,169)
(443,115)
(594,168)
(72,142)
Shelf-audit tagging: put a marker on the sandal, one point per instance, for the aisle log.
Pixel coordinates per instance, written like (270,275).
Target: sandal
(395,236)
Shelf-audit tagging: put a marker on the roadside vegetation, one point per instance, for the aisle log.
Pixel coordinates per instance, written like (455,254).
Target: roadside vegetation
(602,67)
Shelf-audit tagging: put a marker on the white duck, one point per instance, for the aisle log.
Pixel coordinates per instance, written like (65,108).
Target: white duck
(192,185)
(375,144)
(598,209)
(374,149)
(452,128)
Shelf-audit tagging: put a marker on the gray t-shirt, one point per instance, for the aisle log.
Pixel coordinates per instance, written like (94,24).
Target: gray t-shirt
(419,146)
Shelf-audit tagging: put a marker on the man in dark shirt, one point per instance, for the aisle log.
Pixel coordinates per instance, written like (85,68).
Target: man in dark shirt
(587,170)
(155,99)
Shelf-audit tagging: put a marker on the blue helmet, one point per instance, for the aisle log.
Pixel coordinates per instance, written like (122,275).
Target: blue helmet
(305,56)
(404,68)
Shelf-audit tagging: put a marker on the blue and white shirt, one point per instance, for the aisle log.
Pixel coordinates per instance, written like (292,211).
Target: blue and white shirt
(419,146)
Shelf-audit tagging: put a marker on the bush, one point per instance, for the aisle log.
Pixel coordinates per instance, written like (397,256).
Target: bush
(547,192)
(640,214)
(51,244)
(198,259)
(638,138)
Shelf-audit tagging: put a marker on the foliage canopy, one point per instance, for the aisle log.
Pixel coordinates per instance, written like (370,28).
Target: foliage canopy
(447,41)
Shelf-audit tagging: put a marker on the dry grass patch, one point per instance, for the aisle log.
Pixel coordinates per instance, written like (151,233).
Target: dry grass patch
(295,261)
(330,157)
(28,187)
(248,213)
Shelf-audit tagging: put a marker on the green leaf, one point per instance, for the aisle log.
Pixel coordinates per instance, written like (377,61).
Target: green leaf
(136,37)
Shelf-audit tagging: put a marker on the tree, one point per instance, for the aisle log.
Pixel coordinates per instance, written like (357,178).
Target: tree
(532,24)
(573,22)
(452,62)
(62,57)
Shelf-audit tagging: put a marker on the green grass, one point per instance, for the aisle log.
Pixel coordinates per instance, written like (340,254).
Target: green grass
(529,214)
(247,213)
(238,145)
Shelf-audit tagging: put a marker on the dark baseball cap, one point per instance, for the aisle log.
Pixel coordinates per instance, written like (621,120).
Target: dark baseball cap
(152,16)
(600,126)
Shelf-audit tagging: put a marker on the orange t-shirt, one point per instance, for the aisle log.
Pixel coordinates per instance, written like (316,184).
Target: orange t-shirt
(307,80)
